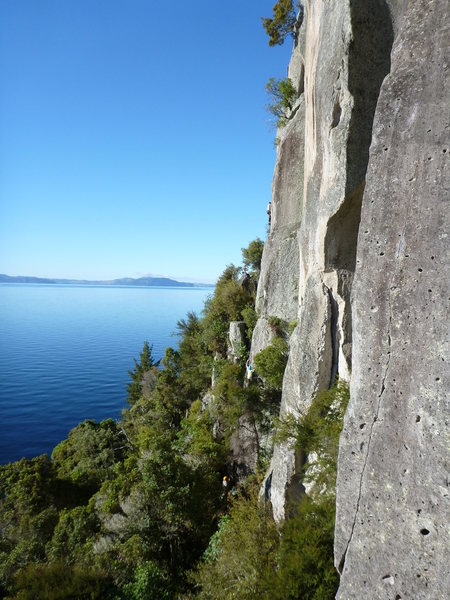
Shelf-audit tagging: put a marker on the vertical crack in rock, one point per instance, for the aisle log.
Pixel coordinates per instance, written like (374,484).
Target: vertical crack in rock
(369,62)
(382,389)
(375,419)
(392,499)
(334,338)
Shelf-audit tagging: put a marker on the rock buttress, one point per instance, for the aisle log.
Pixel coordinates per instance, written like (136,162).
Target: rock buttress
(392,492)
(345,59)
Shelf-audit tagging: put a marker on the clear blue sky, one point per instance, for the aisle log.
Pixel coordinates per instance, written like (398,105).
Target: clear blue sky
(133,136)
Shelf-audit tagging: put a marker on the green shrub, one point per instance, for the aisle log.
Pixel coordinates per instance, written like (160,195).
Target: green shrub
(230,394)
(305,561)
(244,557)
(250,318)
(226,305)
(278,325)
(150,583)
(291,326)
(270,363)
(213,550)
(88,455)
(60,582)
(317,434)
(282,95)
(252,255)
(146,363)
(196,440)
(194,368)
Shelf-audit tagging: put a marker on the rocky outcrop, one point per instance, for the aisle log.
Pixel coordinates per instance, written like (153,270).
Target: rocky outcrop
(356,253)
(245,445)
(237,340)
(393,495)
(277,294)
(342,57)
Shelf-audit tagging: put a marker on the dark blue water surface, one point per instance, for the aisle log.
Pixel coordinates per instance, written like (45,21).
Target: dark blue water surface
(65,353)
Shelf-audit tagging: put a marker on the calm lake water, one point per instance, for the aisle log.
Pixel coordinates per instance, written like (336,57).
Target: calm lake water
(65,353)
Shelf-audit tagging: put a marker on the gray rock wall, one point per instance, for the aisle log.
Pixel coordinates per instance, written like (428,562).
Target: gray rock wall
(277,293)
(236,340)
(358,253)
(392,538)
(338,65)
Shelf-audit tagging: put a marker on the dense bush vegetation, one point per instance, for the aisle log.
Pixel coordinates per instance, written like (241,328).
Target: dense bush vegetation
(136,509)
(249,558)
(271,362)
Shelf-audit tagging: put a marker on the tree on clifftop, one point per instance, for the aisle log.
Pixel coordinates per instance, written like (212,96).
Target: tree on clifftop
(282,23)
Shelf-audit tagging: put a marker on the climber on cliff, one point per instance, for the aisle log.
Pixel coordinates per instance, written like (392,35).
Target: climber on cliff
(250,369)
(269,212)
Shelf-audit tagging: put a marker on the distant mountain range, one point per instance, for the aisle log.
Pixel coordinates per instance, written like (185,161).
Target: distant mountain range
(125,281)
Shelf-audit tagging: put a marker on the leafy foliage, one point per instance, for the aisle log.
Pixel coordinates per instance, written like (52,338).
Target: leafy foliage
(282,95)
(149,582)
(270,363)
(250,318)
(282,23)
(70,540)
(317,435)
(278,325)
(244,555)
(145,364)
(89,454)
(230,299)
(248,558)
(305,560)
(291,326)
(252,255)
(31,495)
(57,581)
(306,550)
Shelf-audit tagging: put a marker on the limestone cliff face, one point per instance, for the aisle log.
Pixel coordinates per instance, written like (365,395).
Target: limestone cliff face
(355,253)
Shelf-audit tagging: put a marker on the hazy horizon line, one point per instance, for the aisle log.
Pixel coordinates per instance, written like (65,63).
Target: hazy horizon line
(105,280)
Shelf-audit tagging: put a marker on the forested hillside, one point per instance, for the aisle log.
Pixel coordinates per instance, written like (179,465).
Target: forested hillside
(138,508)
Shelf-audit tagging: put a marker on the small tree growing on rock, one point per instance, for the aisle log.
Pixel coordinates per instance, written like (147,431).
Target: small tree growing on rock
(282,23)
(282,95)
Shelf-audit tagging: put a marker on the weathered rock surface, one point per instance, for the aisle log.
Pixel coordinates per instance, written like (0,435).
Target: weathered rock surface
(393,512)
(343,56)
(369,282)
(236,340)
(245,445)
(277,293)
